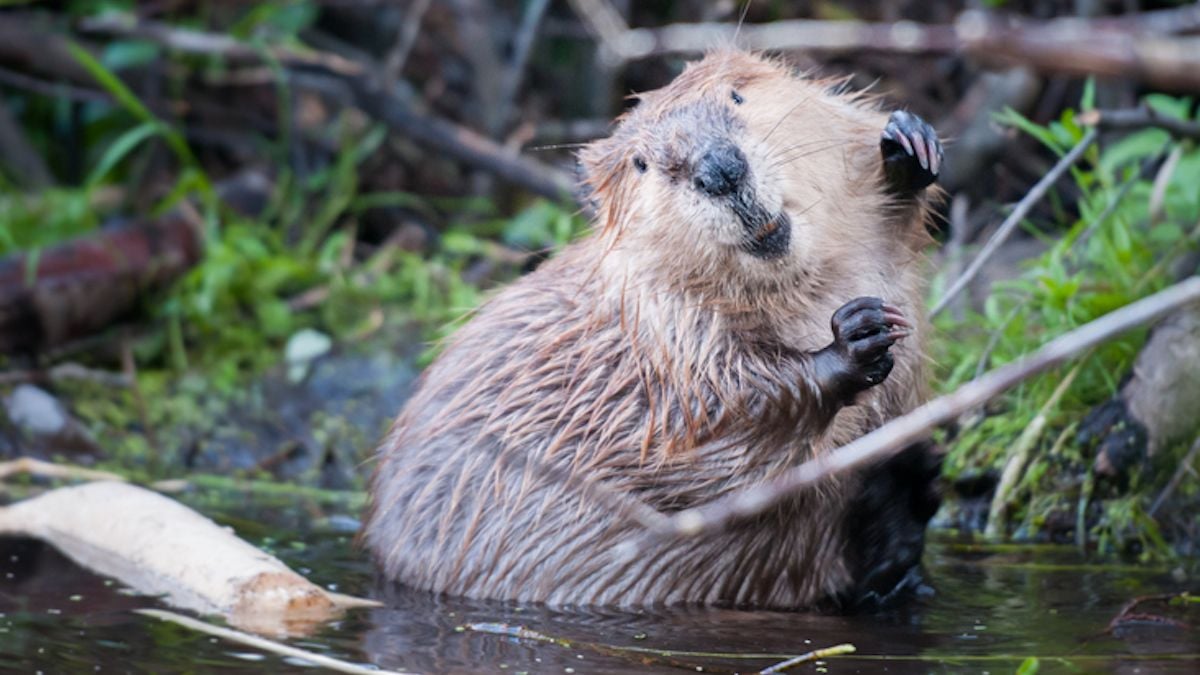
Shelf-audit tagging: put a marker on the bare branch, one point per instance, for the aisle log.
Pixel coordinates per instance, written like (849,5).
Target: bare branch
(522,46)
(271,646)
(1186,466)
(405,39)
(1140,118)
(899,433)
(460,142)
(202,43)
(1130,46)
(47,54)
(1010,223)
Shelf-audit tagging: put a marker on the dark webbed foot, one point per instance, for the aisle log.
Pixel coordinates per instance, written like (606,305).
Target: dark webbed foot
(864,331)
(912,154)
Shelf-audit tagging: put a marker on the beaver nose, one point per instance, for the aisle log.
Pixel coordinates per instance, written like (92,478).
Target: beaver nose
(720,170)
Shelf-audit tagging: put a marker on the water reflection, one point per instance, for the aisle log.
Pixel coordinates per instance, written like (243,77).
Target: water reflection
(991,609)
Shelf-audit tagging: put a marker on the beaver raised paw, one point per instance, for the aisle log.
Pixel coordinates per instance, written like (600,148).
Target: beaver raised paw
(859,358)
(912,154)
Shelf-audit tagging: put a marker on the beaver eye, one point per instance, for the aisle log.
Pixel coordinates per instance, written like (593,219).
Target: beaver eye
(639,164)
(737,98)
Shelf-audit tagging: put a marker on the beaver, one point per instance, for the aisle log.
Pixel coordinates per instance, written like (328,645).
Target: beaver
(749,297)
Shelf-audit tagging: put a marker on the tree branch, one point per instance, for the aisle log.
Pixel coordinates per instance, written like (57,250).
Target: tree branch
(1140,118)
(899,433)
(1010,223)
(1129,46)
(47,54)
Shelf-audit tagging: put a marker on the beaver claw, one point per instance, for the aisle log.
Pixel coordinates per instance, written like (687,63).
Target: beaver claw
(864,331)
(912,154)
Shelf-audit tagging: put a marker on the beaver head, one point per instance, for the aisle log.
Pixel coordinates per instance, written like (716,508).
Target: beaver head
(737,162)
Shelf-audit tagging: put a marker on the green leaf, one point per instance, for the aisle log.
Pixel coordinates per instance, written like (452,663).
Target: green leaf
(1133,148)
(111,83)
(129,53)
(1088,100)
(127,100)
(1168,105)
(1013,118)
(120,148)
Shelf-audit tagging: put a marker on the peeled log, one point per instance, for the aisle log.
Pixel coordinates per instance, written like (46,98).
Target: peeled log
(158,546)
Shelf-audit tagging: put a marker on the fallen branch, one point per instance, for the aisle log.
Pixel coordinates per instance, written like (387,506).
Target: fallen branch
(1139,118)
(370,94)
(1010,223)
(64,372)
(42,469)
(461,143)
(201,43)
(899,433)
(319,660)
(1128,46)
(76,288)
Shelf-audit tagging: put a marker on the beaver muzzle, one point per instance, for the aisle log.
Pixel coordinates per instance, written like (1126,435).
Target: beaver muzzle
(722,172)
(766,235)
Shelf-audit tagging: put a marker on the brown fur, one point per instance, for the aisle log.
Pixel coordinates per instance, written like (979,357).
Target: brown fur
(658,360)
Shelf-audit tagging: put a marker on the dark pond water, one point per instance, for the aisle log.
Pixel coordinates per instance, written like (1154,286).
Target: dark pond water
(990,608)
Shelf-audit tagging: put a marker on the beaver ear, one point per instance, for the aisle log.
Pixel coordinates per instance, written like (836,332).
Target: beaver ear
(601,166)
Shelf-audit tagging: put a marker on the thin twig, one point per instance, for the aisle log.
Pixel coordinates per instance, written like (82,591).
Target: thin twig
(899,433)
(319,660)
(1142,117)
(522,47)
(1111,207)
(836,650)
(1010,224)
(607,24)
(1185,467)
(360,82)
(406,37)
(994,338)
(42,469)
(201,43)
(57,90)
(459,142)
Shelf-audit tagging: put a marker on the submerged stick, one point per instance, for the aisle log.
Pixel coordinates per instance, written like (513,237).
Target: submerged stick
(899,433)
(319,660)
(836,650)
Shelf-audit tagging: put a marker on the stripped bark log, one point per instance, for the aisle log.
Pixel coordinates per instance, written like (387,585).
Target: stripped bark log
(157,546)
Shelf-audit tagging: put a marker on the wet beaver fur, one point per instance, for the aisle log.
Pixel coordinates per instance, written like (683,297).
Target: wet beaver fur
(751,297)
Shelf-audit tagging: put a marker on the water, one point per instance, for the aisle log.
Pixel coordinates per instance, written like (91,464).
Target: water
(990,609)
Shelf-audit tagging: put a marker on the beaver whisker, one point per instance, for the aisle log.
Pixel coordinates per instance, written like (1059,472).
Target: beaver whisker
(785,161)
(784,117)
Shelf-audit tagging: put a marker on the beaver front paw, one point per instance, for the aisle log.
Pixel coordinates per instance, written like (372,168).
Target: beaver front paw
(912,154)
(864,331)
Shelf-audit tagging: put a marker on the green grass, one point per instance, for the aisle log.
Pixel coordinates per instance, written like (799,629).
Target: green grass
(1076,280)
